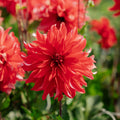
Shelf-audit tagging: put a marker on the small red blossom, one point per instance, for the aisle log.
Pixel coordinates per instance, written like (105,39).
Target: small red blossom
(38,8)
(64,11)
(10,5)
(107,33)
(33,9)
(58,62)
(116,7)
(10,61)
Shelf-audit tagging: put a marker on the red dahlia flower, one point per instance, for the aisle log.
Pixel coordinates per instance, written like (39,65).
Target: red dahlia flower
(58,63)
(10,61)
(64,11)
(38,8)
(116,7)
(1,3)
(107,33)
(11,5)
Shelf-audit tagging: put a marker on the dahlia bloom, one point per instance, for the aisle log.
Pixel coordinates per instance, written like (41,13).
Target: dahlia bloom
(10,61)
(116,7)
(107,33)
(38,8)
(64,11)
(58,62)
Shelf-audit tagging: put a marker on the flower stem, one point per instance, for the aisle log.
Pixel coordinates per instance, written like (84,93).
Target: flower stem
(22,24)
(1,117)
(60,108)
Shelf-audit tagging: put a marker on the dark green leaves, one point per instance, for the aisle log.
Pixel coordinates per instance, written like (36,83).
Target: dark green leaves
(4,101)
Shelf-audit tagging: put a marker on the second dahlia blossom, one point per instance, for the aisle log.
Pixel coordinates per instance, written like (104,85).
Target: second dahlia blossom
(38,8)
(58,63)
(64,11)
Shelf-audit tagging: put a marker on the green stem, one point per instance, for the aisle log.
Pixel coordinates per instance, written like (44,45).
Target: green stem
(60,108)
(1,117)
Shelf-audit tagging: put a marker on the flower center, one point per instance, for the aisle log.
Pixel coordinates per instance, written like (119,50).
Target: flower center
(57,59)
(61,19)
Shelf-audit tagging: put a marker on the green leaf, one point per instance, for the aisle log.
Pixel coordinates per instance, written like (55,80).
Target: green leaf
(83,29)
(79,113)
(4,101)
(32,27)
(91,3)
(65,114)
(99,118)
(93,105)
(26,110)
(70,115)
(23,98)
(87,108)
(59,118)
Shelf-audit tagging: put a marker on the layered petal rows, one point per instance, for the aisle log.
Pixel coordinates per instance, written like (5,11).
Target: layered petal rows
(58,62)
(66,11)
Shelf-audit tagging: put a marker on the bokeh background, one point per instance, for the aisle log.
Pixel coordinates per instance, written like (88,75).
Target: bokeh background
(102,98)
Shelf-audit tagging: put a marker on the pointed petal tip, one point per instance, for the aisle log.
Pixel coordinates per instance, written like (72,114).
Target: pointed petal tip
(34,34)
(94,73)
(89,51)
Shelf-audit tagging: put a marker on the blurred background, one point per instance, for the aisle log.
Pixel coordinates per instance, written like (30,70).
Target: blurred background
(102,98)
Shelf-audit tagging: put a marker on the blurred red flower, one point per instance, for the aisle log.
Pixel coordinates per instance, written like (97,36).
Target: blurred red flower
(38,8)
(10,5)
(107,33)
(58,62)
(64,11)
(10,61)
(50,12)
(2,3)
(116,7)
